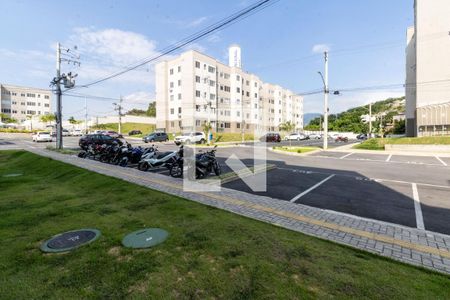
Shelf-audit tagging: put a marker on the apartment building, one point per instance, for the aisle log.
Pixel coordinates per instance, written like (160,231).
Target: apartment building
(193,89)
(18,102)
(427,85)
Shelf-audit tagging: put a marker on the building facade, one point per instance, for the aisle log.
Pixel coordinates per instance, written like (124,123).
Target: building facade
(193,89)
(19,102)
(427,86)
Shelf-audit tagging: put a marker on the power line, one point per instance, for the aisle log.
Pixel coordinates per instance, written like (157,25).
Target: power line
(208,30)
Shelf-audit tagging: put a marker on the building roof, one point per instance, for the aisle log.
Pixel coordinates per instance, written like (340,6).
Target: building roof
(10,86)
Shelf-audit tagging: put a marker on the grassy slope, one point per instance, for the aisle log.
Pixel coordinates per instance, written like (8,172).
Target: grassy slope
(210,253)
(378,143)
(127,127)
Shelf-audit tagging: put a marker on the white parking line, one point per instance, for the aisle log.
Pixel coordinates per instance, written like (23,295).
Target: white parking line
(312,188)
(417,208)
(389,158)
(439,159)
(346,155)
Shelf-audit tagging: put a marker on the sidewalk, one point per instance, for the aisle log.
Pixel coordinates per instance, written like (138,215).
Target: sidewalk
(409,245)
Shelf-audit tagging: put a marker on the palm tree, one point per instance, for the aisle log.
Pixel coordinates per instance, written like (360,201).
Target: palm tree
(288,127)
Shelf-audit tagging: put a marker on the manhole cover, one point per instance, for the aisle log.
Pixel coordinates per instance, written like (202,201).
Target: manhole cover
(70,240)
(13,175)
(145,238)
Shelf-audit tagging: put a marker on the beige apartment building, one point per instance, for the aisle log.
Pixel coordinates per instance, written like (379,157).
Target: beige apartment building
(18,102)
(194,88)
(427,85)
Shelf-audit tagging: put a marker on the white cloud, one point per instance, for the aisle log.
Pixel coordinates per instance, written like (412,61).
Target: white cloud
(197,22)
(320,48)
(214,38)
(141,99)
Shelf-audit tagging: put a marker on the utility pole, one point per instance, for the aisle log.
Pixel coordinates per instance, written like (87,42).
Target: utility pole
(118,108)
(85,116)
(326,91)
(370,119)
(59,141)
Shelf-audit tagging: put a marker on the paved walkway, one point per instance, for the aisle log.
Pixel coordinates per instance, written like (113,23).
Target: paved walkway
(413,246)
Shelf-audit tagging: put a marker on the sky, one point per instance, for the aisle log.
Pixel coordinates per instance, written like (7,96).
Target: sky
(282,44)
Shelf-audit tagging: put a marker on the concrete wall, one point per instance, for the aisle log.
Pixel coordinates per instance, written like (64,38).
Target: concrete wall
(125,119)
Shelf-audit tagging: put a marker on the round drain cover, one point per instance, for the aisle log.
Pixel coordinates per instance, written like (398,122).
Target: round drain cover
(70,240)
(145,238)
(13,175)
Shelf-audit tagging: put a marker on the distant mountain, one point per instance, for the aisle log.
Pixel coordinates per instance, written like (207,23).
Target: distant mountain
(350,120)
(309,116)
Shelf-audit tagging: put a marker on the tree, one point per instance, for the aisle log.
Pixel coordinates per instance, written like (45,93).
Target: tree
(73,121)
(48,118)
(151,111)
(399,127)
(206,128)
(137,112)
(7,119)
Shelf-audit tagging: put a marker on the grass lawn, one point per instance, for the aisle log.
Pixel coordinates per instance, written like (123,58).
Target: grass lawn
(378,143)
(209,254)
(232,137)
(127,127)
(296,149)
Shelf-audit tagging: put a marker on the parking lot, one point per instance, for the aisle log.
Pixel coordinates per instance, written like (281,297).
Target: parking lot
(413,191)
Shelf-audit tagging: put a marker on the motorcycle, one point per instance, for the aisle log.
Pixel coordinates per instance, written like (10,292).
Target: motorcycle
(156,159)
(205,163)
(135,155)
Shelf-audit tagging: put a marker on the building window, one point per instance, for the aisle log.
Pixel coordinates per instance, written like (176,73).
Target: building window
(31,103)
(226,75)
(256,117)
(212,97)
(248,94)
(212,83)
(171,97)
(256,95)
(197,64)
(171,71)
(179,96)
(171,85)
(247,82)
(221,87)
(227,125)
(22,95)
(238,90)
(197,122)
(14,94)
(211,69)
(31,112)
(39,95)
(227,88)
(197,79)
(256,105)
(197,93)
(238,78)
(256,84)
(221,75)
(179,110)
(172,111)
(31,95)
(179,82)
(179,69)
(238,114)
(238,101)
(46,105)
(46,97)
(14,102)
(238,125)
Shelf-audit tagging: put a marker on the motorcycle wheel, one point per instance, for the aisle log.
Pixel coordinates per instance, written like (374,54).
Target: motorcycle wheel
(143,166)
(82,154)
(123,162)
(176,171)
(217,169)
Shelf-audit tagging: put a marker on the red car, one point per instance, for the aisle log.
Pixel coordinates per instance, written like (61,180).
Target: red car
(271,138)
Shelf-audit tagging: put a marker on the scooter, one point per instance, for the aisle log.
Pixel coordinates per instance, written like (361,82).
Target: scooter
(157,160)
(205,163)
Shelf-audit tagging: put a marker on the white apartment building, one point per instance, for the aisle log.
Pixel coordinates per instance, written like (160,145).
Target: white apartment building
(194,88)
(19,102)
(427,86)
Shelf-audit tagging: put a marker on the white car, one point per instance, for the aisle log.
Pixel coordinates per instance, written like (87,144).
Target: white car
(42,136)
(315,136)
(65,132)
(76,132)
(191,138)
(295,137)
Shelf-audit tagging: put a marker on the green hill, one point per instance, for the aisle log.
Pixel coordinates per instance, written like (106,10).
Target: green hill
(350,120)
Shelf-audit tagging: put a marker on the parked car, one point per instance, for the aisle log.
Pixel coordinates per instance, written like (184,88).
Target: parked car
(156,137)
(76,132)
(191,137)
(314,136)
(271,137)
(362,136)
(97,139)
(42,136)
(65,132)
(112,134)
(295,137)
(134,132)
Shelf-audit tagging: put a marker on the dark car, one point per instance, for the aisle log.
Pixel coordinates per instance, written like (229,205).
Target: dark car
(134,132)
(362,136)
(156,137)
(271,137)
(97,139)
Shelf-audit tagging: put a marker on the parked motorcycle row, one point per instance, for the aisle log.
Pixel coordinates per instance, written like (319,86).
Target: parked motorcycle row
(150,158)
